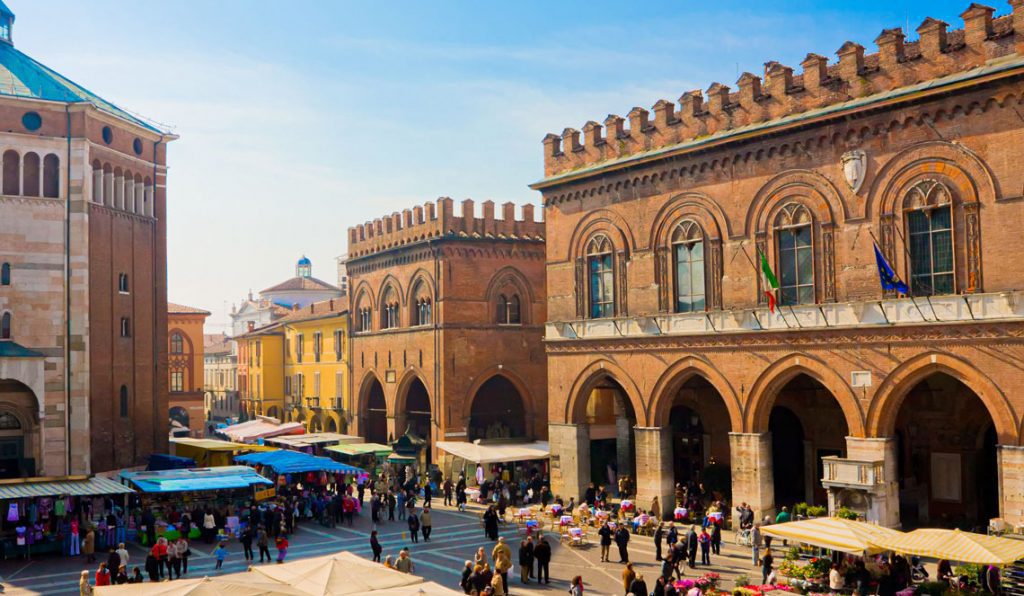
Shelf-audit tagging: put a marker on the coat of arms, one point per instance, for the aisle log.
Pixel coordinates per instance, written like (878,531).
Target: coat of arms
(855,165)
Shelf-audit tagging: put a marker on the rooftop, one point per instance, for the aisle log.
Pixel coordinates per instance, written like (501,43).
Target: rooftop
(181,309)
(301,284)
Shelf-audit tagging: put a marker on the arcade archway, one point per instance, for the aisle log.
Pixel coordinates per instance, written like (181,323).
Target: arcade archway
(417,414)
(497,412)
(18,430)
(700,438)
(612,421)
(376,414)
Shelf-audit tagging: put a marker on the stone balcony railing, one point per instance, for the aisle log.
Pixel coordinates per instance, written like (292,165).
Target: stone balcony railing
(850,473)
(878,313)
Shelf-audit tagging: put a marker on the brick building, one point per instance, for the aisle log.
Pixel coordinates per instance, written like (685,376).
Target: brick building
(185,365)
(665,362)
(447,315)
(83,292)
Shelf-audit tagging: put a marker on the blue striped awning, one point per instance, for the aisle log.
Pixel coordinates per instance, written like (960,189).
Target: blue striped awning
(84,487)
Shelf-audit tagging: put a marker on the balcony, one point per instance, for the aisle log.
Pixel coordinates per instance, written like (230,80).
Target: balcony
(851,473)
(313,403)
(967,308)
(337,403)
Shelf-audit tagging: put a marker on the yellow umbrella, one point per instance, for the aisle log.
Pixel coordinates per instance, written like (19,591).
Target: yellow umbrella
(833,533)
(954,545)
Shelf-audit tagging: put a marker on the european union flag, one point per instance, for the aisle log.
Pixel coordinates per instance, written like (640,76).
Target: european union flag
(888,277)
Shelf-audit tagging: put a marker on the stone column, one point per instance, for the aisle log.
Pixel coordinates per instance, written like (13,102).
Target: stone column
(884,505)
(396,427)
(625,447)
(752,480)
(570,459)
(1010,462)
(655,473)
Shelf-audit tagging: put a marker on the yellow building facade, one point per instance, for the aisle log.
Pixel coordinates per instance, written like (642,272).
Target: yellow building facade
(297,368)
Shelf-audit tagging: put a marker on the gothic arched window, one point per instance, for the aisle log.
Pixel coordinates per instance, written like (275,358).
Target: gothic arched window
(795,257)
(928,209)
(389,309)
(177,343)
(688,258)
(601,277)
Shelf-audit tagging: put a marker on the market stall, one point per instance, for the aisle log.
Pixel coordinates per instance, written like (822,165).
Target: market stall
(955,545)
(833,533)
(167,494)
(509,461)
(312,443)
(369,456)
(290,468)
(211,453)
(337,574)
(235,584)
(49,515)
(261,428)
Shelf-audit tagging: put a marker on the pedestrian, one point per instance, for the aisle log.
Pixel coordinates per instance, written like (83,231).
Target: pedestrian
(388,563)
(716,539)
(659,535)
(246,540)
(414,526)
(783,516)
(605,532)
(705,546)
(691,547)
(136,577)
(639,586)
(282,548)
(159,552)
(542,552)
(113,559)
(84,587)
(576,586)
(152,568)
(525,560)
(755,545)
(448,489)
(184,552)
(501,549)
(122,554)
(993,583)
(209,527)
(480,558)
(622,540)
(467,572)
(220,553)
(766,565)
(122,576)
(835,579)
(628,575)
(672,536)
(89,545)
(400,503)
(391,505)
(263,543)
(491,523)
(497,588)
(426,525)
(103,575)
(428,492)
(173,561)
(404,562)
(501,566)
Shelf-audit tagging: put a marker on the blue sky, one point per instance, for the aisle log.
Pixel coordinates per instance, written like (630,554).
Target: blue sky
(299,119)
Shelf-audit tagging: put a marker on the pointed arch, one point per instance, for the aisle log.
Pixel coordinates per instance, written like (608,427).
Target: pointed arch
(690,205)
(765,391)
(413,373)
(811,188)
(510,296)
(676,375)
(606,221)
(881,418)
(589,378)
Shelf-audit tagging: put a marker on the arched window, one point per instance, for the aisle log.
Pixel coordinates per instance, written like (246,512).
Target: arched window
(601,277)
(793,232)
(389,309)
(122,283)
(508,310)
(8,421)
(30,169)
(688,255)
(177,344)
(51,176)
(928,209)
(5,326)
(126,327)
(12,173)
(365,319)
(5,274)
(424,313)
(124,401)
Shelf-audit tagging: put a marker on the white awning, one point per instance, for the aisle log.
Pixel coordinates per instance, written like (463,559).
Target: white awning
(486,454)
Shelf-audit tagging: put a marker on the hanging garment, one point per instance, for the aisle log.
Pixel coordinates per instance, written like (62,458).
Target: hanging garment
(12,513)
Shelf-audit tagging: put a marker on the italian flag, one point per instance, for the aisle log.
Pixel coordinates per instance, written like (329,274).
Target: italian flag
(769,281)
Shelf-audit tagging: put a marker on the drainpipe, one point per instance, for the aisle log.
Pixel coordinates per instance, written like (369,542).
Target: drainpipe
(67,297)
(156,313)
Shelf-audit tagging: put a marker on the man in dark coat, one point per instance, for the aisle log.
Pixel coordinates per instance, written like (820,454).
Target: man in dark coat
(542,552)
(491,523)
(691,547)
(606,540)
(621,540)
(659,534)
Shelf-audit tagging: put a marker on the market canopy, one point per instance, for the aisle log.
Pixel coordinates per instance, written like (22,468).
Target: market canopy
(309,439)
(954,545)
(486,454)
(360,449)
(339,574)
(216,445)
(235,584)
(75,486)
(295,462)
(834,533)
(194,479)
(261,428)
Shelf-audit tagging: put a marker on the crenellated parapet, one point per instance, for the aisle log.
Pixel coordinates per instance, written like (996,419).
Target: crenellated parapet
(779,93)
(438,220)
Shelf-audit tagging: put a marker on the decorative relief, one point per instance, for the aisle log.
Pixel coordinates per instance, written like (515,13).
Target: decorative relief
(715,271)
(581,288)
(855,166)
(973,232)
(828,264)
(664,278)
(621,284)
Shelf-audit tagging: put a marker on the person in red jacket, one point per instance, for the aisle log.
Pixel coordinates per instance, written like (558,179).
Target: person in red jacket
(282,548)
(159,552)
(103,575)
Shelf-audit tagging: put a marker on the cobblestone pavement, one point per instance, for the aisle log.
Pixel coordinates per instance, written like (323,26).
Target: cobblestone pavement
(455,538)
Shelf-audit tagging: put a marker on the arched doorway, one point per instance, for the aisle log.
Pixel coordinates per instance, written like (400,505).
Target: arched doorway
(497,411)
(700,438)
(314,424)
(376,415)
(806,423)
(274,412)
(180,415)
(611,420)
(946,454)
(331,426)
(18,430)
(417,414)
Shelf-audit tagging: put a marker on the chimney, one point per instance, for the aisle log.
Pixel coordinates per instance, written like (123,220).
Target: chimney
(718,98)
(251,325)
(750,89)
(890,48)
(933,38)
(977,24)
(331,305)
(552,145)
(613,124)
(664,115)
(528,212)
(638,121)
(815,72)
(691,103)
(508,211)
(780,80)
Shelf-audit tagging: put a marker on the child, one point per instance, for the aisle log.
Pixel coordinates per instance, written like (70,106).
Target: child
(282,548)
(220,554)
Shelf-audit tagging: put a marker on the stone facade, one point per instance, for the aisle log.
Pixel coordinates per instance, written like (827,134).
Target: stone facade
(910,406)
(447,314)
(83,211)
(221,370)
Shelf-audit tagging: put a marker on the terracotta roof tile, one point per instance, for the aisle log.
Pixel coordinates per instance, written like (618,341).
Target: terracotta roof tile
(181,309)
(301,283)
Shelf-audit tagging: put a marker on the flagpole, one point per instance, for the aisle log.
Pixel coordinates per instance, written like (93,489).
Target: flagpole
(909,289)
(757,273)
